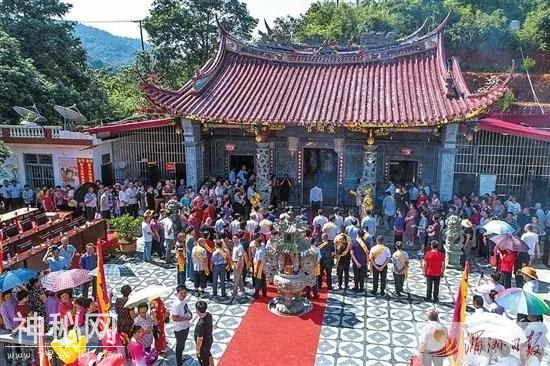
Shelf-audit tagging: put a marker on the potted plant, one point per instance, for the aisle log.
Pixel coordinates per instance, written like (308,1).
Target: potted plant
(126,229)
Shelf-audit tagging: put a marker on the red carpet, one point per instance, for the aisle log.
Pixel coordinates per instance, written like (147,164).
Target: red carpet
(264,338)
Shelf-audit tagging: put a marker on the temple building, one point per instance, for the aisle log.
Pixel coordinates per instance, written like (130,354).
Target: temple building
(390,109)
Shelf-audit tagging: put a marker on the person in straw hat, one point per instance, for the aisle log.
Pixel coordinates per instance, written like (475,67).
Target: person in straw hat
(147,235)
(531,279)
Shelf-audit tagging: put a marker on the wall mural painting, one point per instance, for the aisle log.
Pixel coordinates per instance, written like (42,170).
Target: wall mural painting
(10,169)
(68,169)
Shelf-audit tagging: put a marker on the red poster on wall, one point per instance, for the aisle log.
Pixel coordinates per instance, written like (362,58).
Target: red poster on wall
(85,170)
(170,166)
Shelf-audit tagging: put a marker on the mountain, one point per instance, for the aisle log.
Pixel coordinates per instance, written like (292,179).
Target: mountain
(106,49)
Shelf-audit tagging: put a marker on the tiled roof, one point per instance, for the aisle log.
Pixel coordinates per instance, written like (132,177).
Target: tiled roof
(406,84)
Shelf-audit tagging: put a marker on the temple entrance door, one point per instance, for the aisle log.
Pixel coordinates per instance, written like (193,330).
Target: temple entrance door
(403,171)
(321,168)
(237,161)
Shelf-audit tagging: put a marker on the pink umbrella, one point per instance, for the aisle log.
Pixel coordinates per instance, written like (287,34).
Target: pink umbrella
(62,280)
(509,242)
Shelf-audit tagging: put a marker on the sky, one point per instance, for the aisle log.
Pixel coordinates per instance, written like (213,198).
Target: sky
(89,11)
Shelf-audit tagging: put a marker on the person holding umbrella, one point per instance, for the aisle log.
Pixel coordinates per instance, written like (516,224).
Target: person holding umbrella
(506,266)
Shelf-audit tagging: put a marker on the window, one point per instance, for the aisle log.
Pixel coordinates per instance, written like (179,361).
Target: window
(39,170)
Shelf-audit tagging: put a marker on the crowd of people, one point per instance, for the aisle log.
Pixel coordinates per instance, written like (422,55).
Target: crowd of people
(217,236)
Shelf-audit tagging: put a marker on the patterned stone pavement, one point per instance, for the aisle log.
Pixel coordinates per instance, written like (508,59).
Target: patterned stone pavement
(358,329)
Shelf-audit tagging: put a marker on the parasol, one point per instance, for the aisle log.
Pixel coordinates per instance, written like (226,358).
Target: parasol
(519,301)
(495,326)
(509,242)
(114,271)
(18,277)
(147,294)
(498,227)
(62,280)
(81,191)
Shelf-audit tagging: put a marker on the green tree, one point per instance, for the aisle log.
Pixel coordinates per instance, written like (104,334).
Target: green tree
(20,83)
(125,96)
(184,34)
(56,54)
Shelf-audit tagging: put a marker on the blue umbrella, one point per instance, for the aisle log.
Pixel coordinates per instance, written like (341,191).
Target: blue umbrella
(498,227)
(519,301)
(15,278)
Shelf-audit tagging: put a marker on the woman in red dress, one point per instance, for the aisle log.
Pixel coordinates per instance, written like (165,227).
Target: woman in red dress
(160,313)
(47,201)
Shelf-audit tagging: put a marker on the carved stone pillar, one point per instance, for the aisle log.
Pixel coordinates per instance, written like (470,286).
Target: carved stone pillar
(194,169)
(447,155)
(369,164)
(262,172)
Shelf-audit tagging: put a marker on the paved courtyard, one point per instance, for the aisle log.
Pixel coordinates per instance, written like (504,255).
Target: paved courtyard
(358,329)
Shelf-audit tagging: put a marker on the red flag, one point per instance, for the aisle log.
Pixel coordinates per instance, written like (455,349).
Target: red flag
(43,358)
(103,301)
(454,345)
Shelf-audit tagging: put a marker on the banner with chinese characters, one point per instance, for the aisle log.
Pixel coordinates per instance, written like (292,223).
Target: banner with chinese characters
(85,170)
(68,169)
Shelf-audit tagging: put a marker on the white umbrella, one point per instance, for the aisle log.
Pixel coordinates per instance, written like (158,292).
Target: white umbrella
(146,294)
(495,326)
(498,227)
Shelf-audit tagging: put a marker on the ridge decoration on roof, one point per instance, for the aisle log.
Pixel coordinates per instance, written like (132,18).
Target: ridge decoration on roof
(394,83)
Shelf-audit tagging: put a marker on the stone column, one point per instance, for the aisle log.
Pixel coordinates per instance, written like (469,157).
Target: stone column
(262,172)
(369,164)
(194,169)
(446,171)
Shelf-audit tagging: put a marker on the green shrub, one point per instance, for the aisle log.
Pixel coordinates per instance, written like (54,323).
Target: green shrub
(126,228)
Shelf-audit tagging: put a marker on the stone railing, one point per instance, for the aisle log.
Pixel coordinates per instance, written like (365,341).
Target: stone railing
(52,132)
(27,132)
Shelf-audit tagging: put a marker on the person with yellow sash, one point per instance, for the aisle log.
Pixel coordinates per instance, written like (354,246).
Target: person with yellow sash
(259,275)
(342,247)
(316,270)
(400,260)
(380,256)
(359,256)
(180,264)
(200,266)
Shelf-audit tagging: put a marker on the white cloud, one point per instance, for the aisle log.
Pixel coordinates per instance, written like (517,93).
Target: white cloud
(126,10)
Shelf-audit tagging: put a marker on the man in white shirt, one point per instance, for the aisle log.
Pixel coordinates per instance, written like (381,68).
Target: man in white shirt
(512,206)
(181,317)
(238,265)
(132,193)
(330,229)
(338,219)
(531,238)
(484,289)
(236,224)
(349,219)
(252,224)
(122,199)
(320,219)
(432,339)
(369,223)
(316,197)
(379,256)
(169,235)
